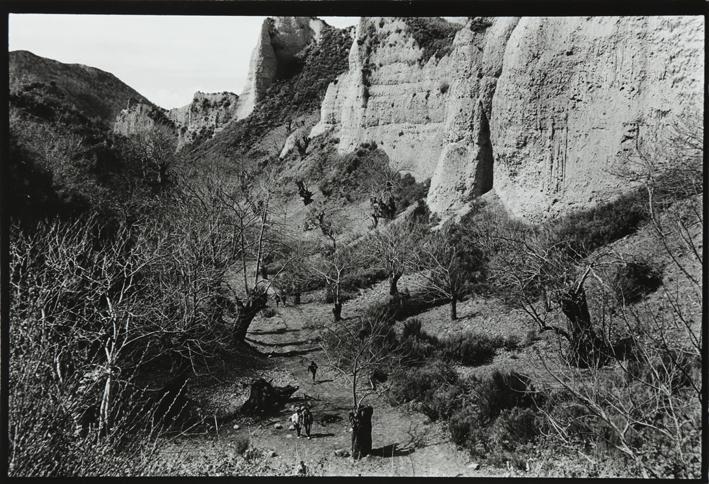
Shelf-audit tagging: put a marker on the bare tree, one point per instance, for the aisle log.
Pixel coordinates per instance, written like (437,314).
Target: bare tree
(327,218)
(156,152)
(333,267)
(394,247)
(81,322)
(538,274)
(447,263)
(257,234)
(297,277)
(356,349)
(337,260)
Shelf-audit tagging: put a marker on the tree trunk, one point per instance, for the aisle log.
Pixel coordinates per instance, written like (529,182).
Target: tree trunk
(246,313)
(296,298)
(362,432)
(337,311)
(454,308)
(393,281)
(586,348)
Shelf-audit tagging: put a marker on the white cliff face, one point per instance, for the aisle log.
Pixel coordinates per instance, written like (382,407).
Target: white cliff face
(280,41)
(206,115)
(538,109)
(464,168)
(575,94)
(389,97)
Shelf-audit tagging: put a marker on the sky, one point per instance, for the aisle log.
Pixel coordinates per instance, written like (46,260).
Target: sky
(165,58)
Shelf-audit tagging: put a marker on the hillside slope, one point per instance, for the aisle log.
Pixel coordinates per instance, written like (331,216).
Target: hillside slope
(93,92)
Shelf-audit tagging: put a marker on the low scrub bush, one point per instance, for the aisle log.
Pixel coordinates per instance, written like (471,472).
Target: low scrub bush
(512,343)
(501,391)
(515,426)
(420,383)
(469,349)
(408,191)
(241,443)
(587,230)
(269,312)
(467,431)
(634,280)
(433,34)
(412,329)
(418,350)
(444,401)
(496,419)
(363,278)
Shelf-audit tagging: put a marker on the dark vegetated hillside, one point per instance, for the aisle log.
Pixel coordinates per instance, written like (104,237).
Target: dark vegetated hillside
(433,34)
(92,92)
(286,99)
(46,103)
(64,160)
(352,175)
(66,164)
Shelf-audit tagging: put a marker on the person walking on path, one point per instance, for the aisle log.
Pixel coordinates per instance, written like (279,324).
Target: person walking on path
(313,367)
(307,421)
(296,419)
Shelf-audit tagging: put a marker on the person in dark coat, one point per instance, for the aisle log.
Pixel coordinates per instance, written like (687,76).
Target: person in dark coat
(312,368)
(307,421)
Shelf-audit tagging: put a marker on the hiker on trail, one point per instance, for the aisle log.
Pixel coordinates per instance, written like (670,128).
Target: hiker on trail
(277,297)
(296,419)
(313,367)
(307,421)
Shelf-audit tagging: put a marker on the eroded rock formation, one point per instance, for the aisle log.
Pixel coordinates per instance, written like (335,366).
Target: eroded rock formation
(276,55)
(139,117)
(206,115)
(538,109)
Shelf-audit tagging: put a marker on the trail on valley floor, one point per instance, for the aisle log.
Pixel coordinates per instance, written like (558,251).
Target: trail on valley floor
(405,442)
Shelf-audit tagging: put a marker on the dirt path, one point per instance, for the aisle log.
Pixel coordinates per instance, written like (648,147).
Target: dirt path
(405,443)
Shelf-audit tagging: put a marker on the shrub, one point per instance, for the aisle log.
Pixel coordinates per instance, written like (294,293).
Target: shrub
(444,401)
(420,383)
(469,350)
(412,328)
(634,280)
(408,191)
(589,229)
(515,426)
(501,391)
(269,312)
(495,419)
(467,430)
(418,350)
(443,88)
(511,343)
(241,443)
(363,278)
(433,34)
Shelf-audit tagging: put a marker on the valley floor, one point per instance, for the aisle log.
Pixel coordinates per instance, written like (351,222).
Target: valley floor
(405,442)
